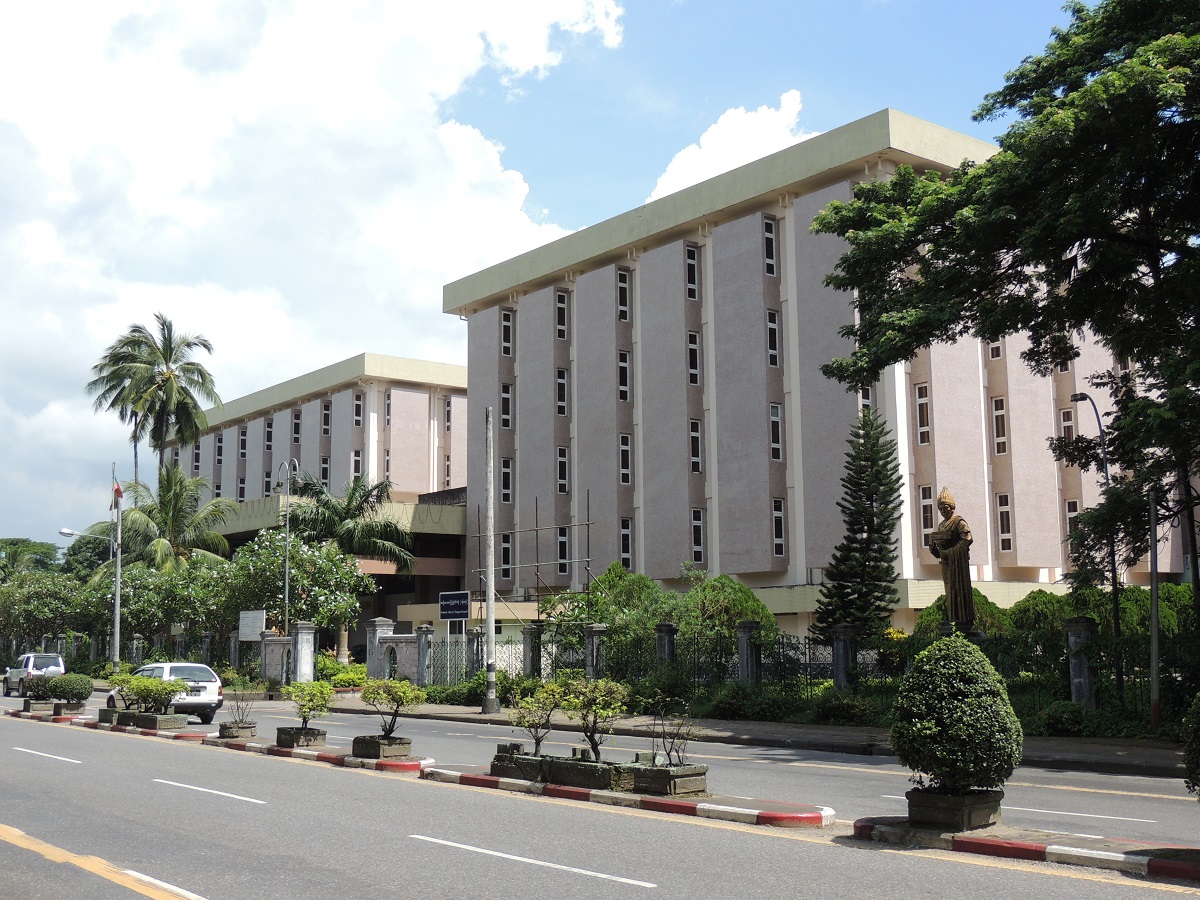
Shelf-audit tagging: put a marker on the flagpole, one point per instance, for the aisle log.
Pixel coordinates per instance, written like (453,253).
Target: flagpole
(115,652)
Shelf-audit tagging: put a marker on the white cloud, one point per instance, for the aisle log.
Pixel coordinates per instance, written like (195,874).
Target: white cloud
(737,137)
(254,171)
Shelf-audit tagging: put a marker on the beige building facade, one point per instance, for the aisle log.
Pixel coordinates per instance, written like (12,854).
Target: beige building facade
(657,398)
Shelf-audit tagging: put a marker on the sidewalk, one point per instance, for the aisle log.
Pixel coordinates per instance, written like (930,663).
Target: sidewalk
(1113,756)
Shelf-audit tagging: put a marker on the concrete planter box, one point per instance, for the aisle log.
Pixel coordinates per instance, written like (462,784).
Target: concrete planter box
(107,716)
(298,738)
(63,708)
(571,772)
(376,746)
(237,730)
(157,722)
(127,718)
(954,812)
(670,781)
(37,705)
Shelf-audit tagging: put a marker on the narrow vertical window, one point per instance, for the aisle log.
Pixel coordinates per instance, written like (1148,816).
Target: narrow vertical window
(267,483)
(564,550)
(196,458)
(242,442)
(506,397)
(356,463)
(1072,509)
(692,272)
(326,416)
(778,526)
(696,445)
(1064,367)
(217,489)
(560,391)
(295,426)
(325,471)
(175,455)
(999,427)
(922,405)
(241,490)
(506,556)
(693,357)
(622,295)
(387,463)
(995,350)
(220,449)
(769,226)
(1004,521)
(506,332)
(627,544)
(269,435)
(561,324)
(1066,424)
(387,408)
(776,431)
(866,398)
(926,495)
(697,535)
(446,471)
(772,337)
(623,375)
(358,409)
(448,406)
(506,478)
(626,459)
(564,470)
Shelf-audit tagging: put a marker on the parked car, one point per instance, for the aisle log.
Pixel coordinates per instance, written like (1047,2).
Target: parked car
(204,696)
(28,666)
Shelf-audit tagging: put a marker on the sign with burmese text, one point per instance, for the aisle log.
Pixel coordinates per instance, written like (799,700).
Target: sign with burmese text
(454,604)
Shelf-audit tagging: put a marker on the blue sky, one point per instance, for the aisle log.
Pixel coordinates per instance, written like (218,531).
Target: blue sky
(254,170)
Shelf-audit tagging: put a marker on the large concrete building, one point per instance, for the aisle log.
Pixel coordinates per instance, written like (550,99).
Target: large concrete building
(657,397)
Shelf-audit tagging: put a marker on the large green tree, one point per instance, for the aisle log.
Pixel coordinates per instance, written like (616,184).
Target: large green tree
(150,380)
(860,580)
(1084,222)
(19,555)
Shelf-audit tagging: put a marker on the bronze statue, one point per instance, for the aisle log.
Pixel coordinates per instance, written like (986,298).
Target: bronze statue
(951,544)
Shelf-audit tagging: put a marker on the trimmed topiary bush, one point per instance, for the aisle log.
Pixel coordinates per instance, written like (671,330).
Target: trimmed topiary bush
(954,725)
(1191,747)
(73,688)
(37,687)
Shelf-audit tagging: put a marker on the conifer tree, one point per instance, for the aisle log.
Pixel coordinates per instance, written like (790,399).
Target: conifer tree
(860,581)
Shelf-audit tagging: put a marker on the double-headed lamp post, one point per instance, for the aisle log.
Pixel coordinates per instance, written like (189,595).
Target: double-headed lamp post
(1112,545)
(114,653)
(284,486)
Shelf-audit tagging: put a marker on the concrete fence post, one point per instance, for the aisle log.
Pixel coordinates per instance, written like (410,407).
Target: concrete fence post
(135,650)
(377,628)
(206,647)
(304,642)
(749,653)
(475,645)
(844,655)
(593,663)
(1080,632)
(664,641)
(531,650)
(424,660)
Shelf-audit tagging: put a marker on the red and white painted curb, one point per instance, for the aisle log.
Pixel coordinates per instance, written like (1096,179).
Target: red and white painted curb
(1133,862)
(803,817)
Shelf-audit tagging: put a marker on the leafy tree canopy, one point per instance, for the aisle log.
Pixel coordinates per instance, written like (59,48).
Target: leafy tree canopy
(25,555)
(355,522)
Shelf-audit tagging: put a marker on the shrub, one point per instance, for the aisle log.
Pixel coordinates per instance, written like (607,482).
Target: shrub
(989,618)
(327,665)
(953,722)
(891,651)
(73,688)
(390,698)
(839,708)
(1061,719)
(533,714)
(312,699)
(596,704)
(1041,610)
(152,695)
(1191,747)
(351,676)
(37,687)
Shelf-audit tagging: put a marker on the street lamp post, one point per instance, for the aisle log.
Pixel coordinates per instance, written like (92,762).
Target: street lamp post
(114,653)
(292,467)
(1112,547)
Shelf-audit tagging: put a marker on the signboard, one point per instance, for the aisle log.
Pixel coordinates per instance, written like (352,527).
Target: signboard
(251,624)
(454,604)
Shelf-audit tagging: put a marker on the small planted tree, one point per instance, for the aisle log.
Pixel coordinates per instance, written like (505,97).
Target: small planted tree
(534,714)
(73,688)
(153,695)
(595,705)
(390,698)
(311,699)
(241,707)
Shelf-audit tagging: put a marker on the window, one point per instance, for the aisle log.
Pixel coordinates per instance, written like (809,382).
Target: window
(356,463)
(693,357)
(241,490)
(327,416)
(506,556)
(1004,522)
(242,442)
(456,627)
(561,300)
(866,399)
(623,375)
(295,426)
(564,550)
(1122,365)
(269,437)
(506,479)
(267,483)
(999,427)
(506,332)
(448,405)
(1072,508)
(446,471)
(564,470)
(995,350)
(325,471)
(696,445)
(220,449)
(622,295)
(925,492)
(772,337)
(769,226)
(217,489)
(778,519)
(922,404)
(358,409)
(196,458)
(627,544)
(560,391)
(175,455)
(506,395)
(697,535)
(776,431)
(692,277)
(1066,424)
(626,459)
(387,463)
(1064,367)
(387,408)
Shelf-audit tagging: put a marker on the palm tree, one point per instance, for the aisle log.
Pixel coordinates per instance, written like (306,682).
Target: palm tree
(151,382)
(170,529)
(355,523)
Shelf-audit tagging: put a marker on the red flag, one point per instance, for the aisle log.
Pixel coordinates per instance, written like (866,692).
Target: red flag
(117,495)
